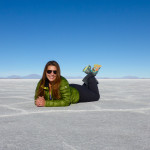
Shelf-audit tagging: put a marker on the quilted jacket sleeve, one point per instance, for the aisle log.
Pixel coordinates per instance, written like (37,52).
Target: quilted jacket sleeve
(65,96)
(35,96)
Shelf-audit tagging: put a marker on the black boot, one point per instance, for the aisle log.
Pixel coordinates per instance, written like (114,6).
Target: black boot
(85,79)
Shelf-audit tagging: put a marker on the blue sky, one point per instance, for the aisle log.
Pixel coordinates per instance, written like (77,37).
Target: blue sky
(75,33)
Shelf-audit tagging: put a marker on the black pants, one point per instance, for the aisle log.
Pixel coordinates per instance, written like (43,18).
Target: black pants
(88,93)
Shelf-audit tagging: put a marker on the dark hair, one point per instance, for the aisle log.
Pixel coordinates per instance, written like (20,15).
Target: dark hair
(45,81)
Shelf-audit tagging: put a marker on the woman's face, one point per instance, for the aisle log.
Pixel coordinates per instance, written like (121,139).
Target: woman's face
(51,73)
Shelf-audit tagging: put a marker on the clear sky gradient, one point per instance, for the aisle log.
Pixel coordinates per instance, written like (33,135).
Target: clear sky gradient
(75,33)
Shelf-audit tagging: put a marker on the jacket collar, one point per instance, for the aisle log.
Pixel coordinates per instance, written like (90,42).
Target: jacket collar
(46,87)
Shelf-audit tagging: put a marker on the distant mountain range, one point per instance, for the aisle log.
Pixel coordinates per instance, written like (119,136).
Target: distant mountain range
(36,76)
(30,76)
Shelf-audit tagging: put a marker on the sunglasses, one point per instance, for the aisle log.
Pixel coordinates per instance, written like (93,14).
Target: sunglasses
(50,71)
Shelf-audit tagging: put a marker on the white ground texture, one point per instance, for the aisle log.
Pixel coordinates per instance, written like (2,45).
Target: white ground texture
(120,120)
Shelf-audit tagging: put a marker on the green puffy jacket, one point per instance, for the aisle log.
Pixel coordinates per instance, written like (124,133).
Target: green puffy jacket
(69,95)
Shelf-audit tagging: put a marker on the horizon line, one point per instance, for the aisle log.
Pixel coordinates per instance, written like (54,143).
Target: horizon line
(37,76)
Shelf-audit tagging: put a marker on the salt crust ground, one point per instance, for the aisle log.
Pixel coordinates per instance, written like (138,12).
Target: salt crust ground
(120,120)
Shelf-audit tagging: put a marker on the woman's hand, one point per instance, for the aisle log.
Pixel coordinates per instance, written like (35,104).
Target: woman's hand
(40,101)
